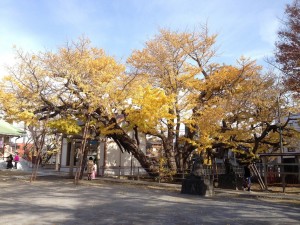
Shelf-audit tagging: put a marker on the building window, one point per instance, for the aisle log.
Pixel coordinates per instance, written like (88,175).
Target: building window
(291,149)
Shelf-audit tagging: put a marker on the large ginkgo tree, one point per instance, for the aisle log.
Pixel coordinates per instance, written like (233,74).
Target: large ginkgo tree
(171,89)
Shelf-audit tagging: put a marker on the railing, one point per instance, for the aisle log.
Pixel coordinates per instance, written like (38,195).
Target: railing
(275,172)
(272,171)
(164,174)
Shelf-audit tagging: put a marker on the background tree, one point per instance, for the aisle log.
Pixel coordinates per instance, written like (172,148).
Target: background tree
(238,110)
(250,124)
(288,47)
(220,106)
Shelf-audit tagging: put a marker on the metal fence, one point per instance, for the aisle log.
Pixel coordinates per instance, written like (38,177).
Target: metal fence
(275,172)
(163,174)
(271,173)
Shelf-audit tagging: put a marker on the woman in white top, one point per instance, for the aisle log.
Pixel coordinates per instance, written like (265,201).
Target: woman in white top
(90,168)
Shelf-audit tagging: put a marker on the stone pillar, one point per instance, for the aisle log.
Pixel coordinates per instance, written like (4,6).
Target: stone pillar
(210,187)
(197,186)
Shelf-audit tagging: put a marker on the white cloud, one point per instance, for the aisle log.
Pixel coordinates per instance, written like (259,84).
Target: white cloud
(268,27)
(77,15)
(6,59)
(245,27)
(258,54)
(8,40)
(68,12)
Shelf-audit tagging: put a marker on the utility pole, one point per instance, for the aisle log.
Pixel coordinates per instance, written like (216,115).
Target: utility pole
(279,125)
(280,144)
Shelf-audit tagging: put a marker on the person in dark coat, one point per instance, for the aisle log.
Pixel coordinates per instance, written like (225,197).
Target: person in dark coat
(9,162)
(247,177)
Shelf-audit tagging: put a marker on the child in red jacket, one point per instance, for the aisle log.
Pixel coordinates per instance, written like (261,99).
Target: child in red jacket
(16,160)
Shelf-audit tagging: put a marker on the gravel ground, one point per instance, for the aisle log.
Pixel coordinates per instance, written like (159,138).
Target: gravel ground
(52,200)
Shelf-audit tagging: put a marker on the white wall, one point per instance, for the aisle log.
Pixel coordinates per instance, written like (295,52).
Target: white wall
(64,148)
(115,159)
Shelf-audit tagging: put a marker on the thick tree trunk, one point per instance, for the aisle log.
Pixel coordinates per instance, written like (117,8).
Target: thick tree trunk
(83,154)
(188,148)
(84,161)
(130,146)
(187,151)
(169,149)
(170,156)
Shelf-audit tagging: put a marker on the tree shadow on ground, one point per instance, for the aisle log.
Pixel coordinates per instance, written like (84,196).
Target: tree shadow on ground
(59,201)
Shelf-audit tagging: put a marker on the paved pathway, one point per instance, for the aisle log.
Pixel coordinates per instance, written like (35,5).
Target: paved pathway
(53,201)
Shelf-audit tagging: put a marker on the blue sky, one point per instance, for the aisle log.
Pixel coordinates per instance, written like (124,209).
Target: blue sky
(244,27)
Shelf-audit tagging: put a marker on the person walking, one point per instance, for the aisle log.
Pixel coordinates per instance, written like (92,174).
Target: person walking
(247,177)
(90,168)
(94,173)
(16,159)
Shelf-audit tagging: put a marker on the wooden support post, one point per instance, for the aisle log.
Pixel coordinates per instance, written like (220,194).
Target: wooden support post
(257,174)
